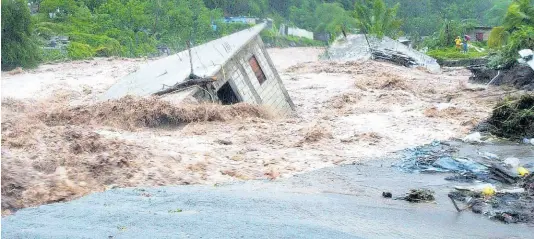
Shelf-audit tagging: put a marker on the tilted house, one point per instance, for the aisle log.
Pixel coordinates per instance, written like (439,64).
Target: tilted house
(239,64)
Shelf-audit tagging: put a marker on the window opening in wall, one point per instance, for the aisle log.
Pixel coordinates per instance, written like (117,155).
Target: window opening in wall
(256,68)
(227,95)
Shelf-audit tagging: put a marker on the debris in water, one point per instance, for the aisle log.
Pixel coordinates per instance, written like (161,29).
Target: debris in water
(483,189)
(528,184)
(507,205)
(513,117)
(512,162)
(466,177)
(224,142)
(438,157)
(488,155)
(473,138)
(522,171)
(419,195)
(503,175)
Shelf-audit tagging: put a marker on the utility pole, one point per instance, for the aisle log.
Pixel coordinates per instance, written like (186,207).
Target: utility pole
(191,34)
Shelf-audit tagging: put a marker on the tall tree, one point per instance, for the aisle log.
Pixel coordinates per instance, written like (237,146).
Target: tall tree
(18,46)
(520,12)
(374,17)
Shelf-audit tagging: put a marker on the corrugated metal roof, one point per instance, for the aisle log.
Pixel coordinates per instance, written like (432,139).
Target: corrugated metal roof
(160,74)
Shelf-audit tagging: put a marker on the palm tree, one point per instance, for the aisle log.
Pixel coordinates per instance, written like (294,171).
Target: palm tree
(375,18)
(520,12)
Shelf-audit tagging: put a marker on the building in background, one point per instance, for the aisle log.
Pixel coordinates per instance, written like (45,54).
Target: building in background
(480,33)
(244,20)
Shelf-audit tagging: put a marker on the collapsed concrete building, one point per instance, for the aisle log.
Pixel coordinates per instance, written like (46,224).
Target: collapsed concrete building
(362,47)
(237,66)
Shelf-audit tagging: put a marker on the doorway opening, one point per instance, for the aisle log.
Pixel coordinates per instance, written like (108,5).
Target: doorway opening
(227,95)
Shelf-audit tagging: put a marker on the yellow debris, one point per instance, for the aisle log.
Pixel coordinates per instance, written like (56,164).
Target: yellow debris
(488,191)
(522,171)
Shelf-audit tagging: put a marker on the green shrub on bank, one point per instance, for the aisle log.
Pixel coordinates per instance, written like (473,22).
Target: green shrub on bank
(523,38)
(497,37)
(274,40)
(52,55)
(102,45)
(454,54)
(79,51)
(44,32)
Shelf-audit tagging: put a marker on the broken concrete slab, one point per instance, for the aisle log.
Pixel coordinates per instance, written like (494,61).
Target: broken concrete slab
(361,47)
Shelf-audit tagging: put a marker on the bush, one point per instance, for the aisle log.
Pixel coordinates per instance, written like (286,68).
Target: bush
(272,39)
(519,39)
(102,45)
(44,32)
(19,48)
(56,27)
(497,38)
(51,55)
(79,51)
(224,29)
(448,32)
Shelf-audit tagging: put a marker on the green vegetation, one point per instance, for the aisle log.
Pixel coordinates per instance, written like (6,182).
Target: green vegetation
(375,18)
(497,38)
(134,28)
(519,26)
(18,46)
(332,18)
(425,17)
(519,39)
(274,40)
(176,210)
(520,13)
(454,54)
(53,55)
(444,38)
(78,51)
(516,33)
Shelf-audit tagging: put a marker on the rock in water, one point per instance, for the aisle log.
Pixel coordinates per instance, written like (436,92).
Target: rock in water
(419,195)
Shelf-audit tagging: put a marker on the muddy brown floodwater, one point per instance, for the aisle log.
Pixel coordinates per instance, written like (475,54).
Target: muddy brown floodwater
(345,112)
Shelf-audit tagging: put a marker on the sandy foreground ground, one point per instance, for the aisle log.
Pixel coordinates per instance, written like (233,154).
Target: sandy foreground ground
(346,111)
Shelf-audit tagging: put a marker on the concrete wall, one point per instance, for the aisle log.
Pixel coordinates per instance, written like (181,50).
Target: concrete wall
(293,31)
(238,72)
(473,34)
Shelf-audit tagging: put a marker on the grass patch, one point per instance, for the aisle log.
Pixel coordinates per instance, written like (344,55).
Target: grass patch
(455,54)
(79,51)
(274,40)
(53,55)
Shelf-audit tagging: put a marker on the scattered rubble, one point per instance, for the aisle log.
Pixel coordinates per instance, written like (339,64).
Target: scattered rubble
(418,196)
(439,157)
(501,189)
(513,117)
(508,207)
(387,195)
(360,46)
